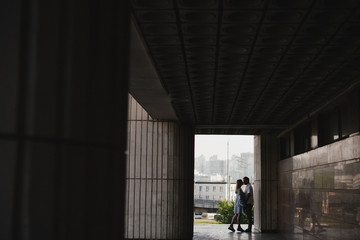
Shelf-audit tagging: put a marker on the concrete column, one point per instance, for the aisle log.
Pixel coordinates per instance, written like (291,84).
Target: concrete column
(159,201)
(63,119)
(265,186)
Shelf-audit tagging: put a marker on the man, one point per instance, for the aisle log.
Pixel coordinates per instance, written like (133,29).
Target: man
(249,202)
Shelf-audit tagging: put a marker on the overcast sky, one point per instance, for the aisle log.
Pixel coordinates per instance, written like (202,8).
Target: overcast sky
(209,145)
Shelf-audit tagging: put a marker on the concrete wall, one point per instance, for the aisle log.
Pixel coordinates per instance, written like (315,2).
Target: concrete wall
(319,178)
(63,105)
(160,173)
(265,183)
(323,183)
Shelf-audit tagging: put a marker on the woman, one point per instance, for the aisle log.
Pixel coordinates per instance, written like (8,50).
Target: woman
(238,206)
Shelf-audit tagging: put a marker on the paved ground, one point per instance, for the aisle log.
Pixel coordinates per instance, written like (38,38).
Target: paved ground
(220,231)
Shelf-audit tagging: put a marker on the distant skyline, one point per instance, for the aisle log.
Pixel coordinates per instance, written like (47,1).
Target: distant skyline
(209,145)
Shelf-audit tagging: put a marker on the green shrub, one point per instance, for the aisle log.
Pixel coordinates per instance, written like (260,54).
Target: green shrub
(226,213)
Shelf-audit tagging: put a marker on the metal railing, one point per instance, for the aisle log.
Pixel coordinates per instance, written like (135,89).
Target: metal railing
(202,203)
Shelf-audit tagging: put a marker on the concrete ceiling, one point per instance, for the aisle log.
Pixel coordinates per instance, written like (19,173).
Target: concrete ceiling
(246,66)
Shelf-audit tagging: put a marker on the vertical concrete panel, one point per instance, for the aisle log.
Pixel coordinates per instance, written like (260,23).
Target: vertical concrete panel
(155,150)
(66,118)
(46,74)
(7,168)
(139,111)
(74,188)
(137,202)
(188,158)
(176,152)
(132,149)
(145,115)
(10,71)
(181,154)
(164,209)
(266,181)
(144,145)
(138,148)
(182,202)
(170,160)
(160,156)
(153,207)
(128,150)
(130,99)
(131,208)
(257,182)
(133,109)
(99,195)
(142,198)
(148,209)
(42,185)
(149,150)
(176,205)
(10,22)
(165,149)
(183,184)
(171,191)
(165,158)
(170,209)
(155,188)
(274,211)
(159,213)
(127,209)
(189,180)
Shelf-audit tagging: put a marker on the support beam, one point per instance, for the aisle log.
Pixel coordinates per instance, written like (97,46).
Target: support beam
(261,126)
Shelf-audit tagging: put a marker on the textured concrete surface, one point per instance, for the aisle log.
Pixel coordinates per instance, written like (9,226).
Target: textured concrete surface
(220,231)
(160,172)
(320,188)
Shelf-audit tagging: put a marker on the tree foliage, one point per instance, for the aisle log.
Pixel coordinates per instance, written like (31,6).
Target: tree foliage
(226,212)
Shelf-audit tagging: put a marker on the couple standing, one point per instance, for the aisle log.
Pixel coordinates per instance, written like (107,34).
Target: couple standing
(243,203)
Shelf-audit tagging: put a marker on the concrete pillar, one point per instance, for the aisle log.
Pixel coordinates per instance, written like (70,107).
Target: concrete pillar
(160,173)
(265,185)
(63,119)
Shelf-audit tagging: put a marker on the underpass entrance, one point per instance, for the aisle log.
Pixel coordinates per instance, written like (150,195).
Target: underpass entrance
(218,162)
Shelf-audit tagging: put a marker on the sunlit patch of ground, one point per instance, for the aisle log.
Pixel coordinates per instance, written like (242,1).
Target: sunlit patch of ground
(205,221)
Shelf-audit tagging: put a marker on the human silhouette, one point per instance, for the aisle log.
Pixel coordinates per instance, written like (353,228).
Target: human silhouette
(249,202)
(238,206)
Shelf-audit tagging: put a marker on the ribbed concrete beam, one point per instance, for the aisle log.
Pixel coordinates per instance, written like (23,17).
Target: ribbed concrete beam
(260,126)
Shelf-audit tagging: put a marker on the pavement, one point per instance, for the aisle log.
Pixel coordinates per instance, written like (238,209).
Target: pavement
(220,231)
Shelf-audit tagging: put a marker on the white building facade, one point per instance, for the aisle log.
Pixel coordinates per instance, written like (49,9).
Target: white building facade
(213,191)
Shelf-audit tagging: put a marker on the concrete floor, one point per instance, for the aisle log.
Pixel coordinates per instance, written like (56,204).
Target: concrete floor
(220,231)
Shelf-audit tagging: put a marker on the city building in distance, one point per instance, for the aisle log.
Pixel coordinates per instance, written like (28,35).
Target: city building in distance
(214,183)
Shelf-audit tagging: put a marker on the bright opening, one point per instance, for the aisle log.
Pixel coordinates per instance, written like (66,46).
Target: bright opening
(219,161)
